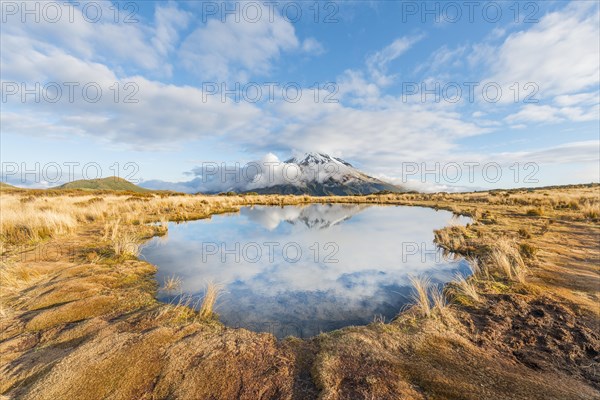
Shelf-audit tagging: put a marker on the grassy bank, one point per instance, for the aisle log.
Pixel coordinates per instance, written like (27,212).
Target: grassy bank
(80,319)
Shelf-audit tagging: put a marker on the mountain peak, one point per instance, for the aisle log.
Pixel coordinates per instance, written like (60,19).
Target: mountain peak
(314,158)
(317,174)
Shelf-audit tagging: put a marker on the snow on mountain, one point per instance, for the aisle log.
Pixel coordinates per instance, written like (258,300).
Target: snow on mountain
(323,166)
(310,173)
(321,174)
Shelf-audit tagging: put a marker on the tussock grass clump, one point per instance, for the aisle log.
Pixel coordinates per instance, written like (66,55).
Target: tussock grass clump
(451,238)
(427,298)
(172,284)
(438,299)
(463,290)
(591,211)
(181,311)
(111,228)
(535,212)
(478,270)
(420,294)
(13,279)
(528,250)
(126,244)
(185,309)
(27,199)
(378,319)
(208,302)
(500,262)
(89,202)
(505,259)
(524,233)
(192,309)
(487,218)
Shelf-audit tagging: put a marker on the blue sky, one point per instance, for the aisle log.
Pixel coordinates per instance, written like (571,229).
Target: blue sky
(172,59)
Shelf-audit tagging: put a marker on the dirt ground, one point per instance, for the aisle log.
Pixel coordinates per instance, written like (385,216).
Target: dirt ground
(85,325)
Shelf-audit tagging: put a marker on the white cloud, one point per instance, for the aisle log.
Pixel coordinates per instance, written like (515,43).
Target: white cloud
(165,114)
(107,41)
(34,62)
(355,88)
(561,53)
(427,187)
(548,114)
(375,137)
(367,125)
(364,87)
(535,113)
(169,19)
(584,99)
(535,167)
(312,46)
(566,153)
(377,63)
(445,58)
(237,50)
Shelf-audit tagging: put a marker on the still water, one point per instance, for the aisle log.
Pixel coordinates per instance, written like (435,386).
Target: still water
(302,270)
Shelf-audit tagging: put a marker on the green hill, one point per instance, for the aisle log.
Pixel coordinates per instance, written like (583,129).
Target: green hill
(111,183)
(7,186)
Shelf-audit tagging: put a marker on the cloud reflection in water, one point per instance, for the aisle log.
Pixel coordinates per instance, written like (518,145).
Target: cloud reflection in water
(300,270)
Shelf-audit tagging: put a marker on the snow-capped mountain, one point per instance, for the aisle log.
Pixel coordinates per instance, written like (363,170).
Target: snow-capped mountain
(315,174)
(321,174)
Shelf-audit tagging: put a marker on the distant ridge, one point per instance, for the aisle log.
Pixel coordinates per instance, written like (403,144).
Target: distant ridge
(7,186)
(111,183)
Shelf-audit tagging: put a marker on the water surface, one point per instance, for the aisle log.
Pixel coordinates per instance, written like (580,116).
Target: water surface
(302,270)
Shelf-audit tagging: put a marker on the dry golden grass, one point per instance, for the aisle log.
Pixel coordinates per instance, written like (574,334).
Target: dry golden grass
(451,238)
(34,215)
(506,259)
(189,308)
(463,290)
(427,297)
(50,216)
(126,244)
(420,294)
(182,312)
(13,279)
(500,257)
(538,212)
(74,311)
(211,293)
(591,211)
(438,300)
(15,276)
(172,284)
(60,314)
(22,223)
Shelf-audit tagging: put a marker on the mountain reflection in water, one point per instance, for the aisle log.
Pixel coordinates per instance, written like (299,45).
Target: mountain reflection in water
(301,270)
